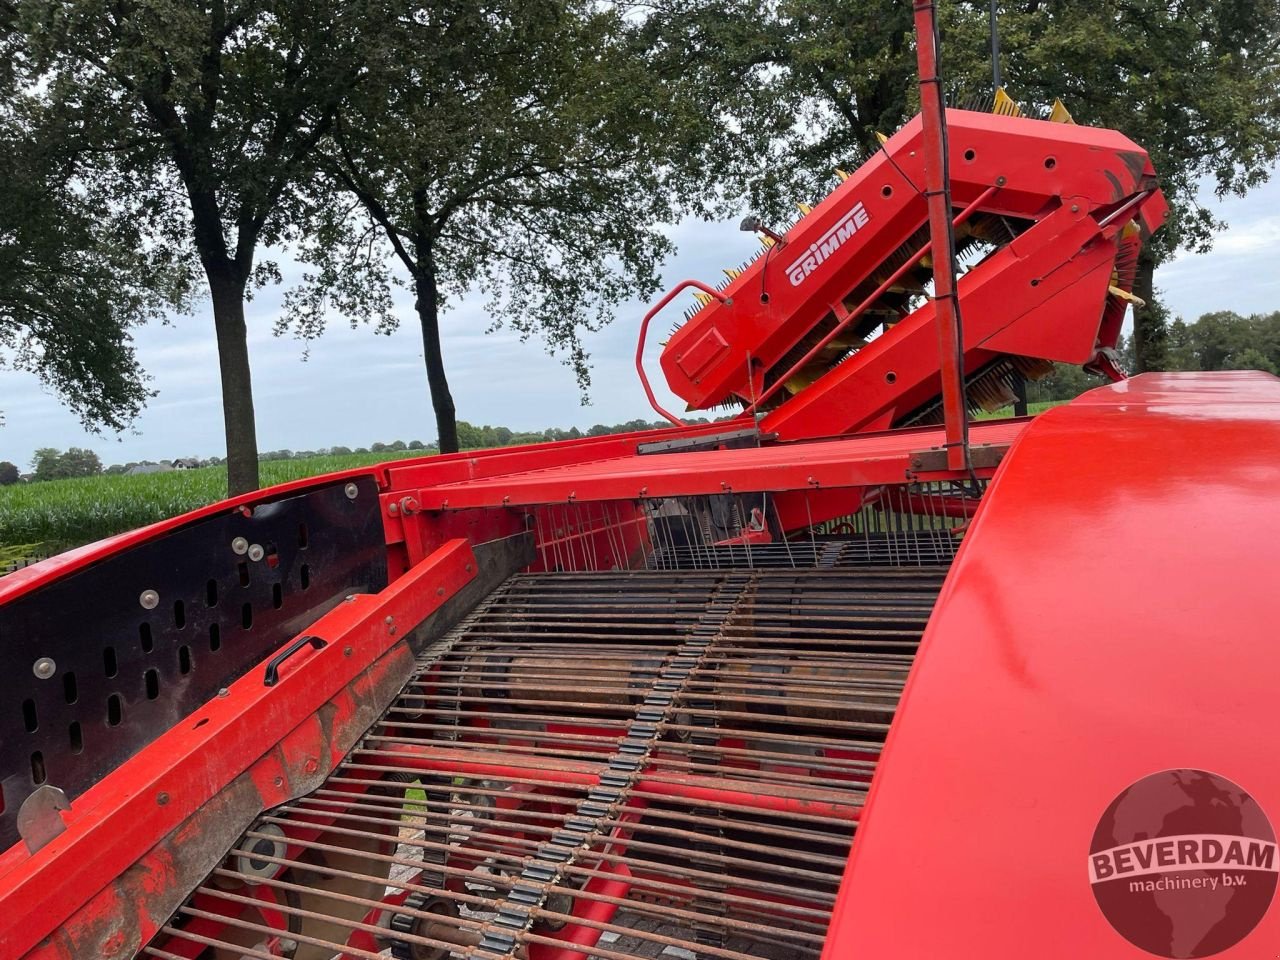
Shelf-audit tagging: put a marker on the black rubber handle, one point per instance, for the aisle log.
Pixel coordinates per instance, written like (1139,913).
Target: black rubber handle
(273,668)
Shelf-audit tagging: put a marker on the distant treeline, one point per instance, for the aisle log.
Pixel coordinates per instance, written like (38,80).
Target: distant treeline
(1216,341)
(1222,340)
(1225,341)
(52,464)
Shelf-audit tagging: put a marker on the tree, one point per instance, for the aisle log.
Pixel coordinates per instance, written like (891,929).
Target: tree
(199,120)
(1223,340)
(1251,358)
(74,277)
(1194,83)
(8,473)
(51,464)
(524,148)
(79,462)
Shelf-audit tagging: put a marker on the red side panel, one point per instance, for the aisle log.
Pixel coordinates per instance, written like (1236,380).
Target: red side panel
(1112,614)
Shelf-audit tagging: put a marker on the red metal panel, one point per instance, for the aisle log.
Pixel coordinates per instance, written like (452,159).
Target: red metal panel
(116,822)
(1111,614)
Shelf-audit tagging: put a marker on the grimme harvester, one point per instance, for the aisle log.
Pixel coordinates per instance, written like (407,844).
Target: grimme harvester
(642,695)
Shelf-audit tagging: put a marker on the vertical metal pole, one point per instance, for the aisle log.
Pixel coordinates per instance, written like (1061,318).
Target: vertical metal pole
(938,193)
(995,49)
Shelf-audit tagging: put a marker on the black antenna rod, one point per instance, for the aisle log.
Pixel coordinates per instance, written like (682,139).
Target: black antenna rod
(995,49)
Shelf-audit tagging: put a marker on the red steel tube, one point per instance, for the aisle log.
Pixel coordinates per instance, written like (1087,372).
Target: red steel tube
(644,334)
(946,312)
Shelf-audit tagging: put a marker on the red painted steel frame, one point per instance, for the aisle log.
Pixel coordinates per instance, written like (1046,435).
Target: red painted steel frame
(644,335)
(1024,300)
(867,302)
(1043,295)
(111,828)
(866,460)
(1111,614)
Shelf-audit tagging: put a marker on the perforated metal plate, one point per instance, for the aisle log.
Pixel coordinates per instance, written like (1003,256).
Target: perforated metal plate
(139,640)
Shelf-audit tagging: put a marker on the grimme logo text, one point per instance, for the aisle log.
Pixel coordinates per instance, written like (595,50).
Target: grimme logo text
(828,243)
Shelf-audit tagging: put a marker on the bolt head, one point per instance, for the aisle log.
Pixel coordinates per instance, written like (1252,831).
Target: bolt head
(240,546)
(162,798)
(311,766)
(44,668)
(149,599)
(256,552)
(351,490)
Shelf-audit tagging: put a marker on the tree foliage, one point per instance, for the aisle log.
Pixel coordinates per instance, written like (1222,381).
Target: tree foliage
(75,276)
(9,473)
(526,149)
(1224,340)
(197,121)
(51,464)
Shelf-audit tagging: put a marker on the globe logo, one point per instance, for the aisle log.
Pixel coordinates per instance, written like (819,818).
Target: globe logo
(1183,864)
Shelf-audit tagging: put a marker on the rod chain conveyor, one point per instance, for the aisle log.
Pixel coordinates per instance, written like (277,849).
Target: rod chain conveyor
(626,764)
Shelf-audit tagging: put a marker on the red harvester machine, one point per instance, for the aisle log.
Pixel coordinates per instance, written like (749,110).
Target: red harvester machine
(642,695)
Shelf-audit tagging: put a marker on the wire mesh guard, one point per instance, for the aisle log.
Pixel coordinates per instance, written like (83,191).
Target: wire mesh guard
(604,765)
(906,525)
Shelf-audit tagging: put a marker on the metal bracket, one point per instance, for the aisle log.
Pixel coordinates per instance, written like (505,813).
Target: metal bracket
(40,816)
(748,437)
(986,456)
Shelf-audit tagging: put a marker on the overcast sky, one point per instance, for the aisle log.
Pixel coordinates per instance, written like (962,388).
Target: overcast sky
(357,387)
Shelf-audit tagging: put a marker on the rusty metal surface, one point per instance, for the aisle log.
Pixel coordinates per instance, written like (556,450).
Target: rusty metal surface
(598,764)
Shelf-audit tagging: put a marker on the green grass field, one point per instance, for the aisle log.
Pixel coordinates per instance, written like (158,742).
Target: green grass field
(1032,408)
(59,514)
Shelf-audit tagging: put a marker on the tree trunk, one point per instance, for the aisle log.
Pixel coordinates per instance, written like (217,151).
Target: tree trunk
(1149,331)
(428,306)
(227,291)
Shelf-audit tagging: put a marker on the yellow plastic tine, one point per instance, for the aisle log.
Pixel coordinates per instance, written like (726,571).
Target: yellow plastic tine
(1126,296)
(804,208)
(1060,114)
(842,174)
(1005,105)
